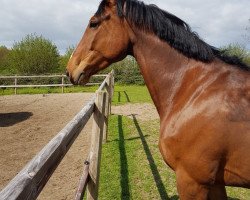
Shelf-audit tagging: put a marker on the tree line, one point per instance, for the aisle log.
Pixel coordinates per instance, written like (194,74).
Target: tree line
(35,55)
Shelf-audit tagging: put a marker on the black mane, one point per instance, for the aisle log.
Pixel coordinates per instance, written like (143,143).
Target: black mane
(171,29)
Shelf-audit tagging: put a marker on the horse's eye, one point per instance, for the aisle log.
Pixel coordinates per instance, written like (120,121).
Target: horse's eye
(93,24)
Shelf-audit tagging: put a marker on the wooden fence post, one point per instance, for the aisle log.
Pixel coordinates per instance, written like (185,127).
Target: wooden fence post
(106,114)
(111,89)
(15,85)
(113,83)
(108,104)
(110,94)
(96,145)
(62,84)
(83,182)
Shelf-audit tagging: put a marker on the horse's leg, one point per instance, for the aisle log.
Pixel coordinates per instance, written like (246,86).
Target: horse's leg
(189,189)
(217,192)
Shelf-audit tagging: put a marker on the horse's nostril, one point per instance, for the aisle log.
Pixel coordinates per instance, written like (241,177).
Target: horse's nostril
(67,73)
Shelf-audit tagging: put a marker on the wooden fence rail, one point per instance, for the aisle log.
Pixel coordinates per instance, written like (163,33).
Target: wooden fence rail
(30,181)
(62,84)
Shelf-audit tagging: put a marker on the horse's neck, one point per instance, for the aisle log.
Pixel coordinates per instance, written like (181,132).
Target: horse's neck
(163,69)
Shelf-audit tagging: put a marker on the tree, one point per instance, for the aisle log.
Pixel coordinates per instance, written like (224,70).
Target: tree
(237,50)
(4,52)
(65,59)
(34,55)
(247,35)
(127,71)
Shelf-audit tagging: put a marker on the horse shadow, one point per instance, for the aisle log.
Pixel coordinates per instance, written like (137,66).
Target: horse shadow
(10,119)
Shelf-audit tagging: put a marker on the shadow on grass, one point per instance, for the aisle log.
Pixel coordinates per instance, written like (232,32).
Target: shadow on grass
(119,96)
(157,178)
(119,93)
(127,97)
(128,139)
(10,119)
(124,181)
(124,173)
(229,198)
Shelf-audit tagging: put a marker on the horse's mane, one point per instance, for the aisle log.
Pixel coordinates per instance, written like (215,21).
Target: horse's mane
(171,29)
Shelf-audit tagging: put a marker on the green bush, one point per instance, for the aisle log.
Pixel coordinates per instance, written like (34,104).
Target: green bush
(237,50)
(34,55)
(4,52)
(64,59)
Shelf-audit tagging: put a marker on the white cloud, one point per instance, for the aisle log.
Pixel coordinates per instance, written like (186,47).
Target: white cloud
(218,22)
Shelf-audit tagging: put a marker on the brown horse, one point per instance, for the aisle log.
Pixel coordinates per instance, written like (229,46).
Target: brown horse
(201,95)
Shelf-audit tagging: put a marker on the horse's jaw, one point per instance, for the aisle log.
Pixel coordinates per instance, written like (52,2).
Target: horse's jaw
(80,76)
(90,65)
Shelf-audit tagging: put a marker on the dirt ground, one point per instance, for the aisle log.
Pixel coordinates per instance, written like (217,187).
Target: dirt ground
(29,122)
(143,111)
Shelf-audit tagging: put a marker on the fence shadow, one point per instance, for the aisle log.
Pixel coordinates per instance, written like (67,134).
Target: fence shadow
(119,96)
(157,178)
(126,95)
(10,119)
(124,181)
(120,93)
(128,139)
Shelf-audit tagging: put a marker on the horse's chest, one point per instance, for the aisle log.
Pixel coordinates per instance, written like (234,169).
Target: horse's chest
(177,135)
(169,151)
(170,146)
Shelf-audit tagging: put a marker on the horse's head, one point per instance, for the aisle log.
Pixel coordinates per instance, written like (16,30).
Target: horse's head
(105,41)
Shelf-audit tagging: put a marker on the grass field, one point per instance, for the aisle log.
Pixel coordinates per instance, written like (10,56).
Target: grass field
(132,167)
(131,94)
(47,90)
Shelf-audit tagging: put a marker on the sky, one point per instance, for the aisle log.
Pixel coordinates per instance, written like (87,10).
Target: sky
(218,22)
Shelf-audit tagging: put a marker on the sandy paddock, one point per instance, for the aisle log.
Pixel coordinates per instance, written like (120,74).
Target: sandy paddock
(27,124)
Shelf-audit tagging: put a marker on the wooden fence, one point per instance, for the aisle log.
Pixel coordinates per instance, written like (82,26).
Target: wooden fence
(62,84)
(30,181)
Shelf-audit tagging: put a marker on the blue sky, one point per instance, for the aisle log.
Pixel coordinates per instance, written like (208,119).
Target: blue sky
(63,21)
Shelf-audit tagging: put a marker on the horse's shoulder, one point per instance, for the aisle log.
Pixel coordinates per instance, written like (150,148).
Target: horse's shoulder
(238,103)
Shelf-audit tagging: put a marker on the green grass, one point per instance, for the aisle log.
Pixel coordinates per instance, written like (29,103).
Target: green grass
(132,166)
(131,94)
(123,94)
(47,90)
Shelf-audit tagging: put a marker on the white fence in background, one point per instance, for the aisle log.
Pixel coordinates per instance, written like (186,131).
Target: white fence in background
(62,84)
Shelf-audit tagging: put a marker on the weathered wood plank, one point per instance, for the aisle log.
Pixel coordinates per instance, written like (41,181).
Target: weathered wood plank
(83,182)
(105,125)
(30,181)
(38,76)
(96,145)
(44,76)
(49,85)
(107,108)
(62,85)
(103,85)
